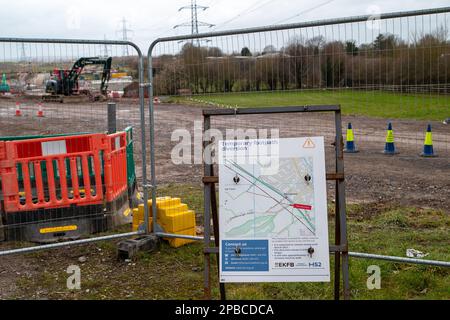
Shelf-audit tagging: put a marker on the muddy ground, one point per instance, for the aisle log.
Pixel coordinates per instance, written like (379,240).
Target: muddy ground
(406,178)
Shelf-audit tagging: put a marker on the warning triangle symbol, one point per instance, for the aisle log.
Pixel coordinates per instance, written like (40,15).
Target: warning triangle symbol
(309,144)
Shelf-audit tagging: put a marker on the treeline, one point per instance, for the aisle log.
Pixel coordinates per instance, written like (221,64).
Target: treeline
(388,62)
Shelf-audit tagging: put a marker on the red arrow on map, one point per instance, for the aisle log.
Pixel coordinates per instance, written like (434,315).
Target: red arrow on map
(301,206)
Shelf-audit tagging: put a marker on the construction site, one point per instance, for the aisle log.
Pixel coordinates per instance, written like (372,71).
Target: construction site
(90,149)
(389,183)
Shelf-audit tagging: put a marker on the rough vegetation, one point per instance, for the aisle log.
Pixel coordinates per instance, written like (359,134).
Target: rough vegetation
(177,273)
(388,63)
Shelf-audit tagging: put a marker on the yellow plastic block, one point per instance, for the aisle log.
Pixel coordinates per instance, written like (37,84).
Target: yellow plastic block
(138,213)
(180,221)
(140,210)
(136,216)
(136,225)
(163,203)
(175,243)
(174,210)
(118,75)
(173,216)
(158,200)
(168,203)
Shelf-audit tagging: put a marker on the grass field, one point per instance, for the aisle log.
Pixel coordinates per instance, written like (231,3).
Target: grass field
(178,273)
(367,103)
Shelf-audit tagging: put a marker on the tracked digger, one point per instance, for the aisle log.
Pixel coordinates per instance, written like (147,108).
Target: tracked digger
(64,83)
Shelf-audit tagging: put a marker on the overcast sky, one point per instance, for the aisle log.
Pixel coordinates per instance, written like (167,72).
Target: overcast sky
(149,19)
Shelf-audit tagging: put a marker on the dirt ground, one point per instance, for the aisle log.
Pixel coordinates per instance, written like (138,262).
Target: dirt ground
(406,178)
(371,177)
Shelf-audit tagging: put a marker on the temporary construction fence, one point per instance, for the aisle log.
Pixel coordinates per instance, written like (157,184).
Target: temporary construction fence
(360,62)
(379,68)
(62,177)
(392,66)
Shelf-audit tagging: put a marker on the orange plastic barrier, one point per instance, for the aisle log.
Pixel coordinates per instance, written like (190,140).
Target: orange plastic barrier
(62,171)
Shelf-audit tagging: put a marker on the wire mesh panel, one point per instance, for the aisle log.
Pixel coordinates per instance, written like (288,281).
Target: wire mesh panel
(69,163)
(392,68)
(389,73)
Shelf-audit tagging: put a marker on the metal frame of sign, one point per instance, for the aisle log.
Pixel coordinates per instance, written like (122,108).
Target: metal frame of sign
(340,247)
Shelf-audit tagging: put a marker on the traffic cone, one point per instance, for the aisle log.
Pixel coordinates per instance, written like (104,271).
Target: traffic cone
(390,146)
(40,112)
(428,145)
(350,146)
(18,112)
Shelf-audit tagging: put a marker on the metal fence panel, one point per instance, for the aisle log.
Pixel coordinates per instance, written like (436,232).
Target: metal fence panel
(64,174)
(389,68)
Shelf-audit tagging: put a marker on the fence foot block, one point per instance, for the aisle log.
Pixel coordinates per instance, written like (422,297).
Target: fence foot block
(128,249)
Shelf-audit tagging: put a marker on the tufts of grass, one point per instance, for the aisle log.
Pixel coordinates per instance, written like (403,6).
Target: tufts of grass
(178,273)
(353,102)
(394,218)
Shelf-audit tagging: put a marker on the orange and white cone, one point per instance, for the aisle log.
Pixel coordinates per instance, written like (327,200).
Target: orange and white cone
(18,112)
(40,112)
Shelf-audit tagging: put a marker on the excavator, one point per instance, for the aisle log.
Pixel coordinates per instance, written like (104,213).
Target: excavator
(64,83)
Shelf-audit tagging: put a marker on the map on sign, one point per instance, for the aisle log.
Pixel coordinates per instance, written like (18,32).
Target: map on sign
(273,218)
(278,205)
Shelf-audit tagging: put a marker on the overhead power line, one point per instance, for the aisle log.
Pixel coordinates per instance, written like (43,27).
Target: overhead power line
(305,11)
(211,2)
(124,31)
(246,11)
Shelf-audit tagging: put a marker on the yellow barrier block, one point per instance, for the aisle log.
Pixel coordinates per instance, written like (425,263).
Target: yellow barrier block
(135,225)
(168,203)
(136,216)
(173,216)
(170,211)
(176,243)
(158,201)
(140,208)
(118,75)
(138,213)
(180,221)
